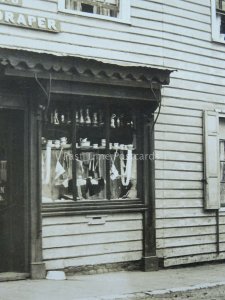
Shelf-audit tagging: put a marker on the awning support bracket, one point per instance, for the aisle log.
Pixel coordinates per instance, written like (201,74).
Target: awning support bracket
(46,92)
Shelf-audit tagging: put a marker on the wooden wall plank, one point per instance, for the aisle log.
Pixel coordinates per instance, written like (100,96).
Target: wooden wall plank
(186,212)
(179,203)
(178,184)
(91,250)
(174,242)
(185,222)
(178,166)
(69,229)
(92,260)
(180,232)
(78,240)
(182,146)
(182,175)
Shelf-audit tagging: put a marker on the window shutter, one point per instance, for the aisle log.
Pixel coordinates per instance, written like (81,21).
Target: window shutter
(211,160)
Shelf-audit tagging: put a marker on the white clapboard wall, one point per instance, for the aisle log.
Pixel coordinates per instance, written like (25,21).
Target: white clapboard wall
(81,240)
(173,34)
(186,233)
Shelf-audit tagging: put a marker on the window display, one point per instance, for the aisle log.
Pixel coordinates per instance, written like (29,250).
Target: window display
(89,152)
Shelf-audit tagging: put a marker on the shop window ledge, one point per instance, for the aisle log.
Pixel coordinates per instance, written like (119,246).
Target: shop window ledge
(92,207)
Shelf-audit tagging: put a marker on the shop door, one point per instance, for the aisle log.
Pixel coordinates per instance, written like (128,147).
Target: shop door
(12,222)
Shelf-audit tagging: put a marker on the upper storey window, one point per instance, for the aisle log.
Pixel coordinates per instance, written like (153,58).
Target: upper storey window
(220,5)
(218,20)
(220,8)
(103,9)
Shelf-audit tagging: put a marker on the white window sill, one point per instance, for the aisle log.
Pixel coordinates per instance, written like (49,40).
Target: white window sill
(222,209)
(219,39)
(95,16)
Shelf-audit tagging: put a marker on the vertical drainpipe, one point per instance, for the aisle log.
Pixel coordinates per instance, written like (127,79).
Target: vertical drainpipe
(217,232)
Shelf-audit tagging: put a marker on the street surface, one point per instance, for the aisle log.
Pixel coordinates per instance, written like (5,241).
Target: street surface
(216,293)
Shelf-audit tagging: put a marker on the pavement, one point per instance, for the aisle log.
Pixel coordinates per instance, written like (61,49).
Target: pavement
(119,285)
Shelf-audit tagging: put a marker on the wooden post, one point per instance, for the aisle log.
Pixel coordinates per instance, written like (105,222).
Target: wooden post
(150,261)
(37,265)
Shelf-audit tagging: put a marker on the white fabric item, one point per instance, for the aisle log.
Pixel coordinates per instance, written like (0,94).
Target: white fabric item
(48,165)
(126,172)
(59,170)
(113,171)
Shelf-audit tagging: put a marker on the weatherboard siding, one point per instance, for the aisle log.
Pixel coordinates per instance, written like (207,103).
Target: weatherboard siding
(173,34)
(73,241)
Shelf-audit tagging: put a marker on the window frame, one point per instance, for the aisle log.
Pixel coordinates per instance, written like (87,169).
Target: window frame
(142,119)
(123,17)
(216,23)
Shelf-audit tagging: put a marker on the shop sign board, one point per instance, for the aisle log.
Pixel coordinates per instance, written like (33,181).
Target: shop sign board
(28,21)
(12,2)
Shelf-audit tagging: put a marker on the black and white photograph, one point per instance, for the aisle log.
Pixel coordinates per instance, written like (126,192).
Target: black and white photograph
(112,149)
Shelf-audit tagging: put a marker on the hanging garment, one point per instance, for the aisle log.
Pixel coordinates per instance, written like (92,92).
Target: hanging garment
(95,183)
(113,171)
(59,170)
(81,181)
(126,169)
(46,165)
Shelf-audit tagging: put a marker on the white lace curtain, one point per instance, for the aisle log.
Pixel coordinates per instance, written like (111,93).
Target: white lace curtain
(220,4)
(102,7)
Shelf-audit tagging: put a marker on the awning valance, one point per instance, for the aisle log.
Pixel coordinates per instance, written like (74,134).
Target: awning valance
(26,63)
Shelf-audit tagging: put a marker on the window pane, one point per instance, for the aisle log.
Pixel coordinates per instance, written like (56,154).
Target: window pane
(218,4)
(222,171)
(123,168)
(91,176)
(222,193)
(222,150)
(57,157)
(223,5)
(91,150)
(56,174)
(100,7)
(123,175)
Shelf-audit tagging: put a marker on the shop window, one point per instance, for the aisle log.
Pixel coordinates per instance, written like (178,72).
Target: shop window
(218,20)
(91,152)
(117,9)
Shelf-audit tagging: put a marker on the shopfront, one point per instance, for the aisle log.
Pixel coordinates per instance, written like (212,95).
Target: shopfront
(76,163)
